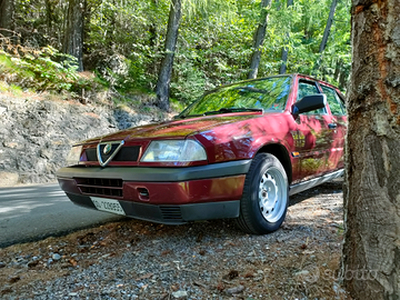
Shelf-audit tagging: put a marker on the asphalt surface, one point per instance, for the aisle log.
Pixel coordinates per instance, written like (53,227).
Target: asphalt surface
(32,213)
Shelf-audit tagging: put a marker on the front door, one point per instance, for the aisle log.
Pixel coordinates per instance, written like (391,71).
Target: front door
(313,129)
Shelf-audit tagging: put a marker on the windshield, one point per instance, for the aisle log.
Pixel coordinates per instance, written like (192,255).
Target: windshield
(269,94)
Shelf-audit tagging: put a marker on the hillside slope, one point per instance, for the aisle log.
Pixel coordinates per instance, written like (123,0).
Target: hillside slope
(36,133)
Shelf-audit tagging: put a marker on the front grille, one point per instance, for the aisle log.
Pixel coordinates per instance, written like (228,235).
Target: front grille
(114,147)
(100,186)
(124,154)
(91,154)
(171,213)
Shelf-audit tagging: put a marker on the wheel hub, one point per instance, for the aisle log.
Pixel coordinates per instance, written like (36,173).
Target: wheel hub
(270,194)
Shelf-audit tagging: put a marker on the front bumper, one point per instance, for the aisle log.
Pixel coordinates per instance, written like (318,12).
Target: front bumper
(165,195)
(170,214)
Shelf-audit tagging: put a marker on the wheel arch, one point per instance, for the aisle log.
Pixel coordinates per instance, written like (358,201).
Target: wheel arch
(281,153)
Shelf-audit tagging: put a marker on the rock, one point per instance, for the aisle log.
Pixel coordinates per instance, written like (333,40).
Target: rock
(56,256)
(2,265)
(2,109)
(13,144)
(180,294)
(302,273)
(235,290)
(8,179)
(36,135)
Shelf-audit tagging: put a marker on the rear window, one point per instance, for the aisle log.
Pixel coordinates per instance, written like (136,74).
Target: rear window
(334,101)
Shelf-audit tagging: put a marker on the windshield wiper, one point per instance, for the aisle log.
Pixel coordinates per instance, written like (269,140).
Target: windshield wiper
(233,109)
(188,116)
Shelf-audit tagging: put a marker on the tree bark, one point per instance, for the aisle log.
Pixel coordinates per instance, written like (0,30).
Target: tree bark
(73,39)
(371,252)
(259,39)
(6,17)
(285,50)
(164,77)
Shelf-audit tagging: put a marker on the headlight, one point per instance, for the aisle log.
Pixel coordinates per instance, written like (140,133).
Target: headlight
(74,156)
(174,151)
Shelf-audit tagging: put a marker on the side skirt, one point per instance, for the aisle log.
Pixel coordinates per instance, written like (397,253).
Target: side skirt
(302,186)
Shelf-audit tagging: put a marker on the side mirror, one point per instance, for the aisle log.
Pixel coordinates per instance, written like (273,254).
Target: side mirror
(309,103)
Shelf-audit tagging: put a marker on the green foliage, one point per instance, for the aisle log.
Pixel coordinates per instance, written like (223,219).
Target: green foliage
(44,69)
(124,43)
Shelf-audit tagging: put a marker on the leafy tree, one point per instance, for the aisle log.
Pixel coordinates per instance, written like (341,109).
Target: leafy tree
(6,16)
(327,31)
(259,36)
(73,39)
(370,262)
(164,78)
(328,26)
(285,50)
(123,41)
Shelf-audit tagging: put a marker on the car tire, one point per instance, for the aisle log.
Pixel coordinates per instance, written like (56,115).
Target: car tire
(265,196)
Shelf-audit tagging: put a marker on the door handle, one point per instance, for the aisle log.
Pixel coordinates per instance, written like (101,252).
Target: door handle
(332,125)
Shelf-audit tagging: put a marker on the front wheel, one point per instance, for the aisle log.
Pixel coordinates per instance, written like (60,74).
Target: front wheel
(265,196)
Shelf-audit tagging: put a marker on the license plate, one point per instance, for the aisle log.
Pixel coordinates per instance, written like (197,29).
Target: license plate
(109,205)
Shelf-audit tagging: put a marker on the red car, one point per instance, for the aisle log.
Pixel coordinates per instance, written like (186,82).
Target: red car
(237,152)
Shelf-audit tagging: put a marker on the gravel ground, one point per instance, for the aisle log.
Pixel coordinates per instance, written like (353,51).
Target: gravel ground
(204,260)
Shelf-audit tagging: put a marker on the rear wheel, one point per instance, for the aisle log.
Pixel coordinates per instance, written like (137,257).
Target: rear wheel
(265,196)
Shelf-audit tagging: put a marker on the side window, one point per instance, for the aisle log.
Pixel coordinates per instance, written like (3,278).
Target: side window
(309,88)
(334,101)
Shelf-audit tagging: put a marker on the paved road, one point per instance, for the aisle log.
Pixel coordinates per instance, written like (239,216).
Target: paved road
(34,212)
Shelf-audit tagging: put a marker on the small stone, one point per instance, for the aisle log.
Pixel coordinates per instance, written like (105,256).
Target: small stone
(2,265)
(302,273)
(73,294)
(56,256)
(235,290)
(180,294)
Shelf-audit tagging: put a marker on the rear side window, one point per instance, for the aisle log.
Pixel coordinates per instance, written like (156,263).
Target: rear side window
(334,101)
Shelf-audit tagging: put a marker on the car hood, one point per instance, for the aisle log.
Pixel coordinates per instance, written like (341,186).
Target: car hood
(175,129)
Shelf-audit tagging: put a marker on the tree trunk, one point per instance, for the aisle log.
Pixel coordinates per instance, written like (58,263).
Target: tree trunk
(73,39)
(259,39)
(49,17)
(285,50)
(153,27)
(371,252)
(284,57)
(6,17)
(327,31)
(328,27)
(164,77)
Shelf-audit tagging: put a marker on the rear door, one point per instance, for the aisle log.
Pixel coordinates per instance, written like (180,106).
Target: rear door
(338,126)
